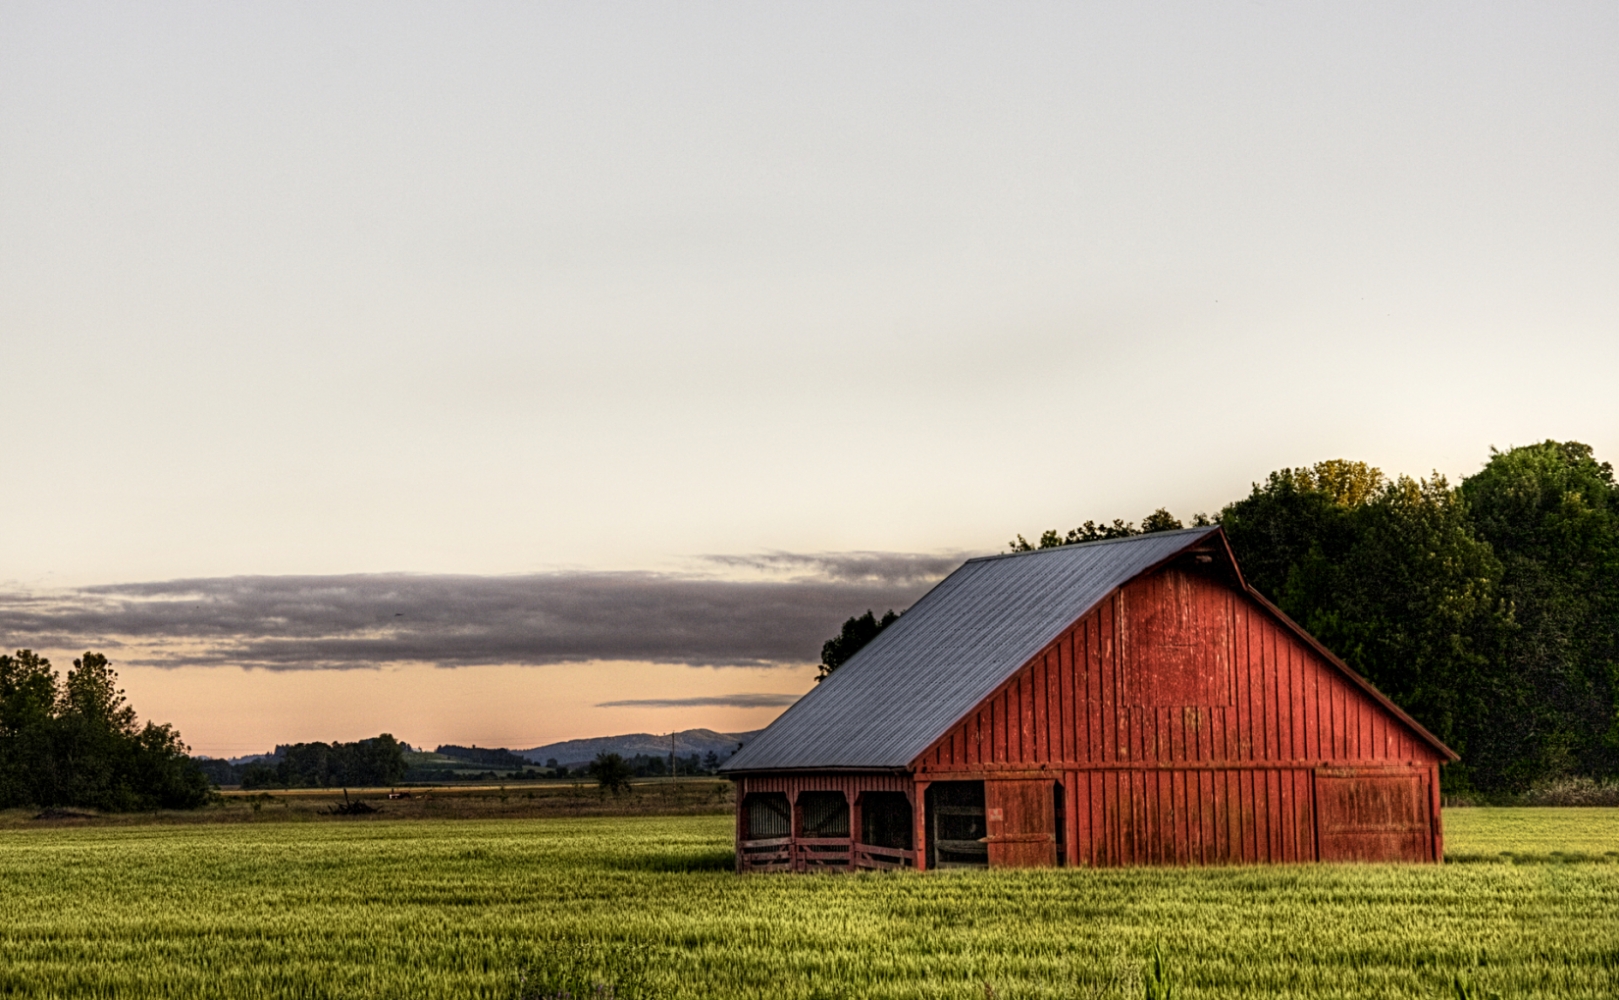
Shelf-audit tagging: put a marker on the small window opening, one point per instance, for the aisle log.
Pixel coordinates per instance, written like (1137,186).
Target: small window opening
(768,816)
(823,814)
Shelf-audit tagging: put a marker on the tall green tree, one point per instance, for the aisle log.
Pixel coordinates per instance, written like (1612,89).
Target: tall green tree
(28,705)
(1550,511)
(78,743)
(851,639)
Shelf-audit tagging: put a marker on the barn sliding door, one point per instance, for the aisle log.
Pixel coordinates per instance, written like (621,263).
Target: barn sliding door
(1022,821)
(1373,815)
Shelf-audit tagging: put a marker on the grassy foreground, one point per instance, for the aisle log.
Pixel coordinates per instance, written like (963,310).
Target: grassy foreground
(647,907)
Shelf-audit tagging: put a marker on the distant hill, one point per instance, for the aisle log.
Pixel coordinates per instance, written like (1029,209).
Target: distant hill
(572,753)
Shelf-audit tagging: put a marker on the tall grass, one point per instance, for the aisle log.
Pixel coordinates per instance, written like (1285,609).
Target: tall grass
(633,907)
(1576,791)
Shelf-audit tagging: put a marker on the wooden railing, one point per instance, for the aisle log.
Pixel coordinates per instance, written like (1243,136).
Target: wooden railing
(773,855)
(869,857)
(820,854)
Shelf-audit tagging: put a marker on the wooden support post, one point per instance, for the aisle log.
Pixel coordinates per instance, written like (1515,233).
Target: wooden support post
(738,786)
(919,810)
(795,829)
(1434,803)
(854,824)
(1070,819)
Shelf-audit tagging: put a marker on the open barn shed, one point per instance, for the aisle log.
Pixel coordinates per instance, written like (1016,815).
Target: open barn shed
(1123,702)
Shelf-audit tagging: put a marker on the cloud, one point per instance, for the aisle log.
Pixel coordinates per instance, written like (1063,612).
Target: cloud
(722,700)
(335,622)
(851,567)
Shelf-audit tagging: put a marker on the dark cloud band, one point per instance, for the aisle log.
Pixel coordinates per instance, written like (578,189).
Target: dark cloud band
(304,622)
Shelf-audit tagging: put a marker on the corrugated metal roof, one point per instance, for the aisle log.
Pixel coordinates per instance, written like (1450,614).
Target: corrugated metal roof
(949,652)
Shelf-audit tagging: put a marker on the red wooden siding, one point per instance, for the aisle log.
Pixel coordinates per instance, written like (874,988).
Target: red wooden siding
(1188,725)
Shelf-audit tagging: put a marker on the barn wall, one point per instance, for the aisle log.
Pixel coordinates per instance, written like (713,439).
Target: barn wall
(1188,725)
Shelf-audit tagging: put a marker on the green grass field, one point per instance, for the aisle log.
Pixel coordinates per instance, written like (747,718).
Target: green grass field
(646,906)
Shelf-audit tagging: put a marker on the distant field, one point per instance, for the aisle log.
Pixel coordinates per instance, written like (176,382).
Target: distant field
(516,800)
(464,908)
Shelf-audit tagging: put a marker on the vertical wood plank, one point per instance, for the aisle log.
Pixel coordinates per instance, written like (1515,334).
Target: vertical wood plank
(997,722)
(1052,727)
(1112,737)
(1267,695)
(1040,696)
(1027,729)
(1066,746)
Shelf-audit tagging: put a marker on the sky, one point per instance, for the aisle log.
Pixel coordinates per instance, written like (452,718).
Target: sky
(512,372)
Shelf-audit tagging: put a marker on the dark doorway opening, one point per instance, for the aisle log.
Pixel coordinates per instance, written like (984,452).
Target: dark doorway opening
(1060,810)
(956,826)
(886,820)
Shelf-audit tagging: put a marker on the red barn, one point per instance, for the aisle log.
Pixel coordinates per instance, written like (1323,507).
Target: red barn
(1124,702)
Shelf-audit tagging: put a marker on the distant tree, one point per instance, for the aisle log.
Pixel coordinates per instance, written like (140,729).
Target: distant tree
(612,773)
(852,638)
(374,762)
(644,765)
(220,772)
(711,762)
(258,774)
(500,757)
(1160,520)
(1090,531)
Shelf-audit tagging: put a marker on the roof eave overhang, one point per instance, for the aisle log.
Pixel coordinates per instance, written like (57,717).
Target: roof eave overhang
(842,769)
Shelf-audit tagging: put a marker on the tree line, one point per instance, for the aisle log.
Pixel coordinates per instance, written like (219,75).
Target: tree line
(373,763)
(76,742)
